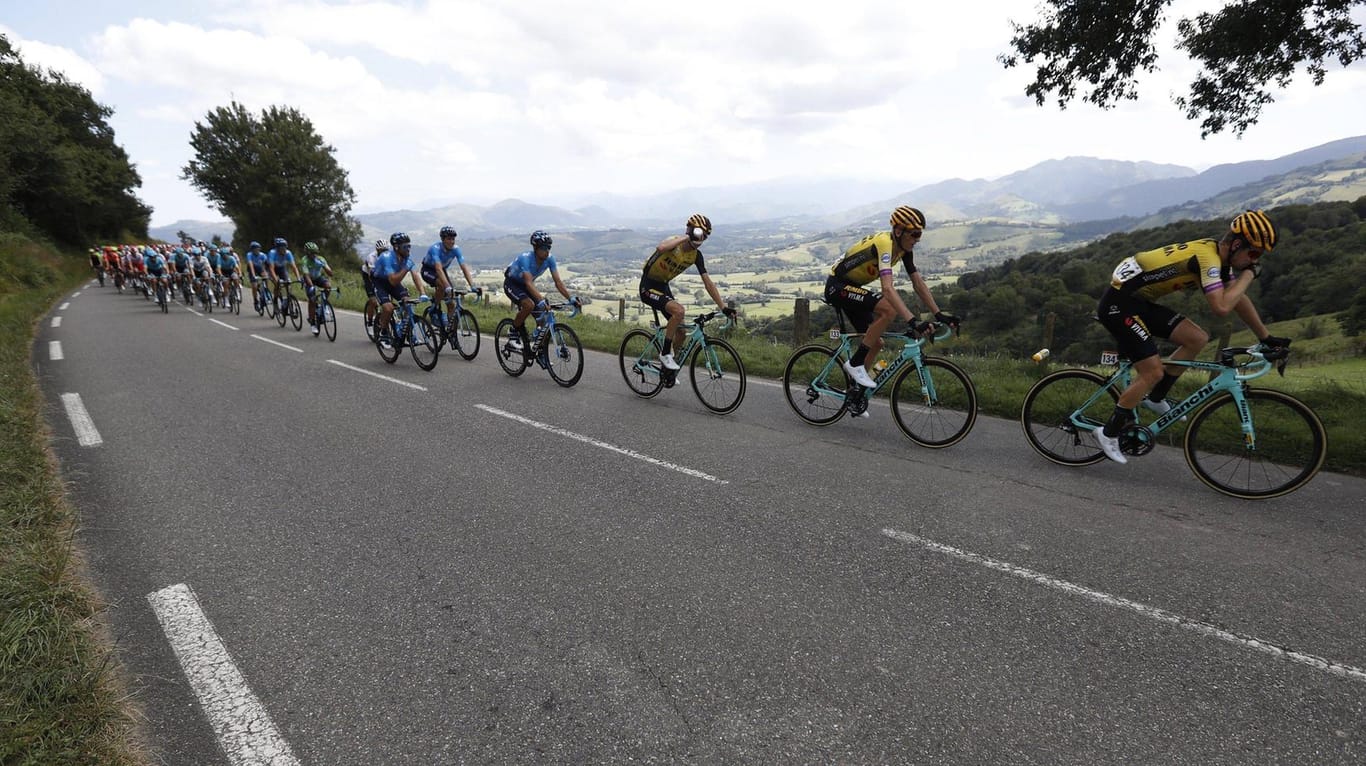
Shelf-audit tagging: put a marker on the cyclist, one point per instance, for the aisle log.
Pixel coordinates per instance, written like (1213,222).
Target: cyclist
(438,260)
(282,264)
(317,276)
(1127,310)
(203,273)
(873,258)
(180,261)
(228,265)
(111,264)
(519,284)
(155,265)
(367,269)
(257,263)
(388,274)
(97,264)
(672,257)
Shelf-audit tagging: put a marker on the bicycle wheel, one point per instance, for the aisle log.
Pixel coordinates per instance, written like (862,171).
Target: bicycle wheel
(639,361)
(1290,447)
(423,343)
(465,339)
(564,356)
(280,310)
(370,310)
(236,297)
(814,383)
(296,315)
(1050,406)
(718,376)
(329,322)
(510,359)
(934,405)
(390,354)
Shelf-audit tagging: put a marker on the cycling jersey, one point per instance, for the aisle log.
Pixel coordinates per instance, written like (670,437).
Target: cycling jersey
(1152,274)
(201,267)
(155,264)
(437,254)
(389,264)
(869,258)
(317,268)
(367,264)
(280,260)
(526,264)
(228,263)
(665,265)
(212,258)
(182,262)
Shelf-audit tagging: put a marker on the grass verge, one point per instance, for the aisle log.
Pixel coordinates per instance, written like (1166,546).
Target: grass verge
(61,701)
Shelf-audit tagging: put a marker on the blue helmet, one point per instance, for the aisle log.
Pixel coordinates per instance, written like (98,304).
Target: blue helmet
(399,238)
(254,243)
(540,239)
(281,242)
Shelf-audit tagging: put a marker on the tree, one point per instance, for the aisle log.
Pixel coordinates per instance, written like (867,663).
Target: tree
(60,170)
(272,176)
(1099,45)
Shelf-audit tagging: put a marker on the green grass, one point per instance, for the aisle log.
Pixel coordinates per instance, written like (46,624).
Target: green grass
(61,701)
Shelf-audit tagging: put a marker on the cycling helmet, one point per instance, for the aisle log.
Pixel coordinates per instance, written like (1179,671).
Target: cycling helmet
(399,238)
(1255,229)
(311,248)
(907,217)
(281,242)
(447,231)
(699,221)
(381,245)
(254,243)
(224,250)
(540,239)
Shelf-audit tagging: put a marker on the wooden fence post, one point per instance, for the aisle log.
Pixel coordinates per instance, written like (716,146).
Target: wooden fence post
(621,309)
(801,321)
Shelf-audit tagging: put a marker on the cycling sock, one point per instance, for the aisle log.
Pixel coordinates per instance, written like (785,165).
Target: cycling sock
(1163,387)
(1119,419)
(860,355)
(668,346)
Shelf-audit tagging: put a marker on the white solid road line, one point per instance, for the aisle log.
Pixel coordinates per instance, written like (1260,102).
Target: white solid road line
(1151,612)
(225,324)
(604,445)
(86,434)
(377,375)
(277,343)
(244,729)
(54,350)
(56,321)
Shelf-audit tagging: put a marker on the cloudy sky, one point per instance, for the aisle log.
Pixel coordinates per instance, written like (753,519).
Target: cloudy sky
(543,100)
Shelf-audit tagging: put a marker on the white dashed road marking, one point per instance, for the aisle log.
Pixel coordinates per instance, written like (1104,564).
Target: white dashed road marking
(244,729)
(1151,612)
(54,350)
(603,445)
(56,321)
(224,324)
(86,434)
(277,343)
(377,375)
(64,306)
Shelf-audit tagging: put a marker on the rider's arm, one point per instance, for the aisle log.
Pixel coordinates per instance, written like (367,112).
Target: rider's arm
(469,279)
(1227,300)
(531,290)
(922,291)
(712,291)
(1248,313)
(890,294)
(559,284)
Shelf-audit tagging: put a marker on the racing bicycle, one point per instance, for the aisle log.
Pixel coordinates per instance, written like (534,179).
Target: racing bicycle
(555,347)
(714,367)
(1250,443)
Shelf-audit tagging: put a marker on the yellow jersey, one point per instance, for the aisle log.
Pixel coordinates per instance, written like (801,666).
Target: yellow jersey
(869,258)
(1152,274)
(664,265)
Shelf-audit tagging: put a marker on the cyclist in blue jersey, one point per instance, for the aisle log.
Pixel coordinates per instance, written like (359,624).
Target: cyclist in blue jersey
(438,261)
(317,276)
(256,270)
(282,265)
(519,284)
(156,267)
(387,275)
(229,266)
(180,261)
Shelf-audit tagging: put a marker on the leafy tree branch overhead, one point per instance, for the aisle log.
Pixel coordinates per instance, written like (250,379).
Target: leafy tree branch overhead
(1097,49)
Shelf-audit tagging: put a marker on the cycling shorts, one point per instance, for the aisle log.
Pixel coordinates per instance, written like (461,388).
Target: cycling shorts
(386,292)
(1135,322)
(856,302)
(515,289)
(656,294)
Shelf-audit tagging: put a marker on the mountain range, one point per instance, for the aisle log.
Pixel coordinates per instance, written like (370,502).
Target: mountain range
(1055,203)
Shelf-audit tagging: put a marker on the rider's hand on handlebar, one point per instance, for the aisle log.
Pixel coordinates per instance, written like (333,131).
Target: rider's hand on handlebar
(729,312)
(1275,342)
(944,317)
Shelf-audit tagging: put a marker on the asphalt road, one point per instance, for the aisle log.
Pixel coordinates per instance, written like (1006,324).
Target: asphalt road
(405,576)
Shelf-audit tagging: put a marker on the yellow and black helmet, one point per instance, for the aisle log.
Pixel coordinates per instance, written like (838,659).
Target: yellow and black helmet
(1255,229)
(699,221)
(907,217)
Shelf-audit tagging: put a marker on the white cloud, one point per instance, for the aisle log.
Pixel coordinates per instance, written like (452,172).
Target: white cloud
(62,59)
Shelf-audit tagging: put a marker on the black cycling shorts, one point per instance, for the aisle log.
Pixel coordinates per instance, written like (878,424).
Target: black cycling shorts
(856,302)
(1135,322)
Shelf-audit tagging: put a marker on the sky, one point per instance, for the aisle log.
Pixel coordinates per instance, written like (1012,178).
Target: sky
(550,101)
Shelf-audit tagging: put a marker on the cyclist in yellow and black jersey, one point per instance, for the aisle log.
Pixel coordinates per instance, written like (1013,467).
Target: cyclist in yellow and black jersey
(672,257)
(873,258)
(1127,311)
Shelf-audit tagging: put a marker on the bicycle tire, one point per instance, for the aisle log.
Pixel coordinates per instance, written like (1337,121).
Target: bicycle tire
(424,346)
(721,385)
(329,322)
(564,356)
(267,304)
(236,297)
(465,339)
(638,358)
(296,315)
(281,312)
(513,361)
(1291,445)
(938,409)
(814,384)
(1048,408)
